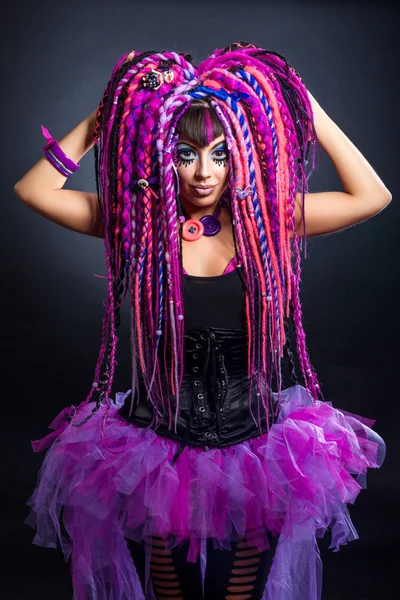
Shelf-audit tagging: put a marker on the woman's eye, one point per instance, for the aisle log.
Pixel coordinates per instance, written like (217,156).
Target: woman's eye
(220,154)
(185,153)
(185,157)
(220,157)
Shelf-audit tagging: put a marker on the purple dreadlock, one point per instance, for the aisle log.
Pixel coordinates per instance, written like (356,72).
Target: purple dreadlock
(260,102)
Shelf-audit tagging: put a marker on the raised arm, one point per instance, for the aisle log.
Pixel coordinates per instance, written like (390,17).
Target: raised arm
(364,195)
(40,189)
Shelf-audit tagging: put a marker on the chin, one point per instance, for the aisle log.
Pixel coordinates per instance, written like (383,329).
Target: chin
(200,202)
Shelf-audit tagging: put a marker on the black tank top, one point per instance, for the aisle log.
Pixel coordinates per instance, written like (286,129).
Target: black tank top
(217,301)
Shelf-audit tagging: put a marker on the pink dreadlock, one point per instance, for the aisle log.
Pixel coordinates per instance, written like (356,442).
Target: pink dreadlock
(263,108)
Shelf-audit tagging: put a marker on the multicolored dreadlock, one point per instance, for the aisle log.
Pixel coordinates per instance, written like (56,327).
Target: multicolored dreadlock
(267,118)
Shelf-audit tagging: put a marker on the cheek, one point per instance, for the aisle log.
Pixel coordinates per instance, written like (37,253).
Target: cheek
(222,173)
(185,173)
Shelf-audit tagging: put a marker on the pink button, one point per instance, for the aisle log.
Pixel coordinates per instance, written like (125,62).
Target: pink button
(192,230)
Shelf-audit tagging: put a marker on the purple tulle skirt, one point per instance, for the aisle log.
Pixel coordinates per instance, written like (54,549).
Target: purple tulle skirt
(294,481)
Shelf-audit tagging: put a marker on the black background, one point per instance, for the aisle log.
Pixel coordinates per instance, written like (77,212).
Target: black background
(57,59)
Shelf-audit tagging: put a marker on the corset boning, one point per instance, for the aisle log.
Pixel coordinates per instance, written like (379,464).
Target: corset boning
(216,405)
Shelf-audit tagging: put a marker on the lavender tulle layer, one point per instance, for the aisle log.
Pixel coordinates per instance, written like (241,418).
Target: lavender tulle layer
(293,481)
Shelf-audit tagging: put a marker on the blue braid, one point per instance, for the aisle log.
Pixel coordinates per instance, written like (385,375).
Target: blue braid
(250,79)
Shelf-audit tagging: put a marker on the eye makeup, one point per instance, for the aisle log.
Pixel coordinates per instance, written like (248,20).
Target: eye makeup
(186,154)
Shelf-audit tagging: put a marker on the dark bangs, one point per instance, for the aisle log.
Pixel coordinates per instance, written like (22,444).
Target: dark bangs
(200,124)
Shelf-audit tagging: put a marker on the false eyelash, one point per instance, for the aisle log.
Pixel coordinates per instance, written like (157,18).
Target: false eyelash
(220,162)
(185,161)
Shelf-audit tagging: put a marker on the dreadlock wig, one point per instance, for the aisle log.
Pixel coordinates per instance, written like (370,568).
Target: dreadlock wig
(295,479)
(260,103)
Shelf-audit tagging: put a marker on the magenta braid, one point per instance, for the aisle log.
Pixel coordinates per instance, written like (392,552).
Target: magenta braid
(263,107)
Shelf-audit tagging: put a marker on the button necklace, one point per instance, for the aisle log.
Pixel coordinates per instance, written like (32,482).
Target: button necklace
(209,225)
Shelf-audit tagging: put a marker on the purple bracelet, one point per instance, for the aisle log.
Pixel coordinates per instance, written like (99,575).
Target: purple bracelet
(57,156)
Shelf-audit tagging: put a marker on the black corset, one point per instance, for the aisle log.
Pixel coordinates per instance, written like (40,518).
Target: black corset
(214,397)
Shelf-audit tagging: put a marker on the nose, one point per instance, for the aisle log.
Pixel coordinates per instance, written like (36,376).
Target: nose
(203,168)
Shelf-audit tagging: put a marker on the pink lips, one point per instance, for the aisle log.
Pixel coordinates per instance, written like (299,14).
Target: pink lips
(203,190)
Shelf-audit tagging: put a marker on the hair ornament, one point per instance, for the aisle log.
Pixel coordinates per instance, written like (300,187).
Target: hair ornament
(130,56)
(155,79)
(144,183)
(242,194)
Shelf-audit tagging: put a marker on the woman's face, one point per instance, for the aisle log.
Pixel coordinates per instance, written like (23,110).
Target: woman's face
(203,171)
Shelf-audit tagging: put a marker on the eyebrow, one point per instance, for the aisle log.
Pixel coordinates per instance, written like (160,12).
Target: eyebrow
(213,148)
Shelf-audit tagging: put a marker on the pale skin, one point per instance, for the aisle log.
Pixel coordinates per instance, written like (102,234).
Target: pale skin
(203,166)
(364,193)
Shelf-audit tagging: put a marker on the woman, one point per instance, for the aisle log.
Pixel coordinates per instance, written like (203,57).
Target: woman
(211,473)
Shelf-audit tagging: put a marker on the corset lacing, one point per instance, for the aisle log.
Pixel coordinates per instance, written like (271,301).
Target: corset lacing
(207,351)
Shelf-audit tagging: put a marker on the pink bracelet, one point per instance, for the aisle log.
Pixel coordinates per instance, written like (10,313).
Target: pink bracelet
(57,156)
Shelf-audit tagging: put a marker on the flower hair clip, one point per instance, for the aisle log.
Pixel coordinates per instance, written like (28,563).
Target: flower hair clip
(155,79)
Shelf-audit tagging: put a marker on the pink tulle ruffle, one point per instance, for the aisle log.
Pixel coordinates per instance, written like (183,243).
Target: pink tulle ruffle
(294,481)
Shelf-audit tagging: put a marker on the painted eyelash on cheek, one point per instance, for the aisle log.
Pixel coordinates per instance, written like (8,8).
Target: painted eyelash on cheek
(221,162)
(184,161)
